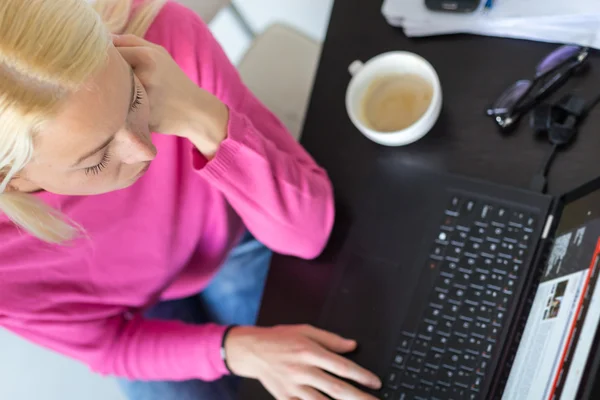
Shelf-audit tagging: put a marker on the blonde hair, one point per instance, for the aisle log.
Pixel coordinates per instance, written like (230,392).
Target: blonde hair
(48,49)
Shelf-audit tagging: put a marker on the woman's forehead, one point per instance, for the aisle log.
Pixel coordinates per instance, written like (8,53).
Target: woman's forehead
(90,115)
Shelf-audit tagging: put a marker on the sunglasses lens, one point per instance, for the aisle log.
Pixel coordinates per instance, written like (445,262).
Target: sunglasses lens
(556,58)
(510,98)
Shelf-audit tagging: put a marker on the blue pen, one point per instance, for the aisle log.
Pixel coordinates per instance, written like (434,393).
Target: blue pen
(489,4)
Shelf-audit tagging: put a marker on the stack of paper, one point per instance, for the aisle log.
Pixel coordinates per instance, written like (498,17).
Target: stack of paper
(559,21)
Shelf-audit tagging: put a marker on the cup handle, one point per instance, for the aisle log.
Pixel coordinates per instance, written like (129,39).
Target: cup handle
(355,66)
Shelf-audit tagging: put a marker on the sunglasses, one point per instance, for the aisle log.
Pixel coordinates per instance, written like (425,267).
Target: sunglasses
(550,74)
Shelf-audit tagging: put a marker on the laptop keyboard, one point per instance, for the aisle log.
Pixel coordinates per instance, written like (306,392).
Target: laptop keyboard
(478,255)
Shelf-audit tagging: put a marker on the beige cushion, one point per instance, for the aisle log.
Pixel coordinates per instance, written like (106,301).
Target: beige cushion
(207,9)
(279,68)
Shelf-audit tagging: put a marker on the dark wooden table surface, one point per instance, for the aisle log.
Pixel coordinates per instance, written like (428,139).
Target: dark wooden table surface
(473,72)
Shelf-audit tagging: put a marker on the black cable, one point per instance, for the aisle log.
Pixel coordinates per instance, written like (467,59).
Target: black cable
(558,138)
(539,182)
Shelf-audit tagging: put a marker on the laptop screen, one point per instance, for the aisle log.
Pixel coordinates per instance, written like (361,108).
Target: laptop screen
(562,323)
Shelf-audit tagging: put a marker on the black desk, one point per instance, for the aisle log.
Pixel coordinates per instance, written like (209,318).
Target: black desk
(473,71)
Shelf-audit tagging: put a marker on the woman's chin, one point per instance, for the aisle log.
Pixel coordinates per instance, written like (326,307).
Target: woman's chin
(137,177)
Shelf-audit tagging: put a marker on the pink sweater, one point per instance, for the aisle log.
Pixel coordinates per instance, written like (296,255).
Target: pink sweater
(180,220)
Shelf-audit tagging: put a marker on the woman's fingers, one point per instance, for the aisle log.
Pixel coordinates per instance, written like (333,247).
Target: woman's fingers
(308,393)
(335,387)
(329,340)
(344,368)
(326,359)
(135,56)
(276,390)
(130,41)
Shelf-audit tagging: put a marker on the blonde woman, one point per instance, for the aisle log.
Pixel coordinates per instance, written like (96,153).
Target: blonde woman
(134,252)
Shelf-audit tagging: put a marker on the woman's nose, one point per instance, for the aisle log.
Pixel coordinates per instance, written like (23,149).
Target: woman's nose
(135,148)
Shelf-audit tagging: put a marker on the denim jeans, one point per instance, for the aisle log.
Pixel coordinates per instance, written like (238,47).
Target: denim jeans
(233,297)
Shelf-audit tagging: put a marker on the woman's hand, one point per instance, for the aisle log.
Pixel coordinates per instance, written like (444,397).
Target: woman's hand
(177,105)
(297,362)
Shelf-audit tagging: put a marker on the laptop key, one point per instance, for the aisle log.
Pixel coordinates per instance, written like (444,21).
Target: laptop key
(404,396)
(438,343)
(448,266)
(415,363)
(433,358)
(475,345)
(481,367)
(491,295)
(458,393)
(468,312)
(517,219)
(462,379)
(463,278)
(480,328)
(423,392)
(406,342)
(393,379)
(467,209)
(387,394)
(461,341)
(409,380)
(449,223)
(476,386)
(437,252)
(445,379)
(485,212)
(444,285)
(428,374)
(469,360)
(454,205)
(433,313)
(440,392)
(500,215)
(450,361)
(399,360)
(420,346)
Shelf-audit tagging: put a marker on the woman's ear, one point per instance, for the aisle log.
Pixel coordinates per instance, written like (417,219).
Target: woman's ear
(20,183)
(13,185)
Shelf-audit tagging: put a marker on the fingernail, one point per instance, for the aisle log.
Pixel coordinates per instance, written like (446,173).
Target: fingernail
(377,384)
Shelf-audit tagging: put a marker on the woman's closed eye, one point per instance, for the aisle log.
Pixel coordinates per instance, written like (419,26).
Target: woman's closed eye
(96,169)
(138,99)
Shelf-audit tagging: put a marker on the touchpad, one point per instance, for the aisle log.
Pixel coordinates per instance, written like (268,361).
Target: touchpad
(367,306)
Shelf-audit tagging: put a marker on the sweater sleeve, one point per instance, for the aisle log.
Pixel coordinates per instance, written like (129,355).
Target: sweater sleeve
(138,349)
(284,198)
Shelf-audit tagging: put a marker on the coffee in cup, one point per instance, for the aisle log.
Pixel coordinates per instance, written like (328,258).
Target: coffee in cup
(396,101)
(395,98)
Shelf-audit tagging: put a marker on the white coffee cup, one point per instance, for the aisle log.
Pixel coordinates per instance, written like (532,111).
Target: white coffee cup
(396,62)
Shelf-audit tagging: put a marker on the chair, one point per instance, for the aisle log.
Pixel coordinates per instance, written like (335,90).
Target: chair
(279,66)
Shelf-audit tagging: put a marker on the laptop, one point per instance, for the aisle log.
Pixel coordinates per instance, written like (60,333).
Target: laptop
(463,289)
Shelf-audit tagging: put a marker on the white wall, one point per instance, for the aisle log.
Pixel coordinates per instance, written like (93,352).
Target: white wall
(28,372)
(309,16)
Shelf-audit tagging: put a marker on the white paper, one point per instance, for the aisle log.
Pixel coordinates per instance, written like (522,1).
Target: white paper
(557,21)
